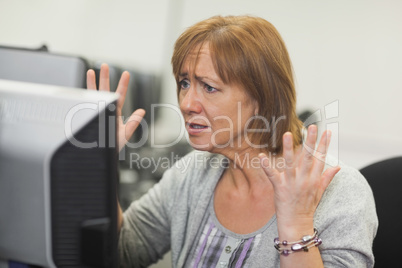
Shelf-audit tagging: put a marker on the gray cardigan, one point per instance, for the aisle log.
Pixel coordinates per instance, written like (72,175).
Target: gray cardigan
(169,216)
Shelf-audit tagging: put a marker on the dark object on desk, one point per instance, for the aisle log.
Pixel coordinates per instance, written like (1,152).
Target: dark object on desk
(385,179)
(94,242)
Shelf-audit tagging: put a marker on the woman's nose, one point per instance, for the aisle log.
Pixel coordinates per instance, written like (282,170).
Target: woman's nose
(190,102)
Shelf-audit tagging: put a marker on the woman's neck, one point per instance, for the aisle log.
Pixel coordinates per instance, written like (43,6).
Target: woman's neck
(244,197)
(244,172)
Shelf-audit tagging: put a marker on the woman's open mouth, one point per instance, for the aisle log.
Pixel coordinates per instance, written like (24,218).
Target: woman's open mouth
(194,128)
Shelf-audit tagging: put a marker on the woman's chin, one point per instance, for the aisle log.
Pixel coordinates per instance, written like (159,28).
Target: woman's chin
(207,145)
(210,148)
(201,147)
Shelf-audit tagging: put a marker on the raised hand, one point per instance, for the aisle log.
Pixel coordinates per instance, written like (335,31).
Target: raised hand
(124,130)
(300,185)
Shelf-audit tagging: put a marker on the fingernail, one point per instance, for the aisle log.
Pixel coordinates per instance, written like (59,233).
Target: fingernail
(288,138)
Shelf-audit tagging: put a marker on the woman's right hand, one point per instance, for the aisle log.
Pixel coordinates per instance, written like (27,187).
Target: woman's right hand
(124,130)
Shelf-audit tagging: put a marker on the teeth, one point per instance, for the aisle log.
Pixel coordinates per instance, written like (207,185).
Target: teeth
(197,126)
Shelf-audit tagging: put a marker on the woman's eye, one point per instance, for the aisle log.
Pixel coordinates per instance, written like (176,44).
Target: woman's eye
(184,84)
(209,89)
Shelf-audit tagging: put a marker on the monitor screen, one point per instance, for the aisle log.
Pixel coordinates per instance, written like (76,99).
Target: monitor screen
(58,176)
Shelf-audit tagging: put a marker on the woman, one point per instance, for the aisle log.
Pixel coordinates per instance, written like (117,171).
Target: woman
(253,194)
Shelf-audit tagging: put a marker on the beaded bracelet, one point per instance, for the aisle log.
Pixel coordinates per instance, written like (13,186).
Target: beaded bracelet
(306,242)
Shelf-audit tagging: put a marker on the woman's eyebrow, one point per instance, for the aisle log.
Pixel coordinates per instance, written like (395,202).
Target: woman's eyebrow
(201,78)
(197,77)
(208,79)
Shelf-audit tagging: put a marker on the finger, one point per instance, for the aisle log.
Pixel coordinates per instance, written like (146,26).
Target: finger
(288,155)
(122,89)
(91,80)
(321,152)
(134,121)
(308,150)
(327,177)
(104,83)
(131,125)
(266,166)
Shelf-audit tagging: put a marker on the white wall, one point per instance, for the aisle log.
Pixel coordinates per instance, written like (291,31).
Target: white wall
(127,32)
(345,51)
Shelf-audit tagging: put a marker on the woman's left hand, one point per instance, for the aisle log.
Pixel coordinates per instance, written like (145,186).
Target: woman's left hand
(124,129)
(298,188)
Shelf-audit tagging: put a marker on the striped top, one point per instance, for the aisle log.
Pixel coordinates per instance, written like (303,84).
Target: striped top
(221,248)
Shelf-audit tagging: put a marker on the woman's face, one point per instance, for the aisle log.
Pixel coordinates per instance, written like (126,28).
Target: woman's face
(215,113)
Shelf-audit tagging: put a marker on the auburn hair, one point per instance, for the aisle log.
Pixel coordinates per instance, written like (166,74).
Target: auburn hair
(250,52)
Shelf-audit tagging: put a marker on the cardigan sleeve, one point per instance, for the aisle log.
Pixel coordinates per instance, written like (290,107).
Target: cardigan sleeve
(166,217)
(348,221)
(145,234)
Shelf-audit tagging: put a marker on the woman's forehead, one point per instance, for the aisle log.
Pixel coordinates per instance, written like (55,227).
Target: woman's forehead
(198,51)
(198,63)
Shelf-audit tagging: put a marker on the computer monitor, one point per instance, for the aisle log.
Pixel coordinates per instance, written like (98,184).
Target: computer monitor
(58,176)
(37,66)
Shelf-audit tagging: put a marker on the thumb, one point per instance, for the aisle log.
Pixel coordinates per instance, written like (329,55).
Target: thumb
(129,127)
(133,122)
(327,176)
